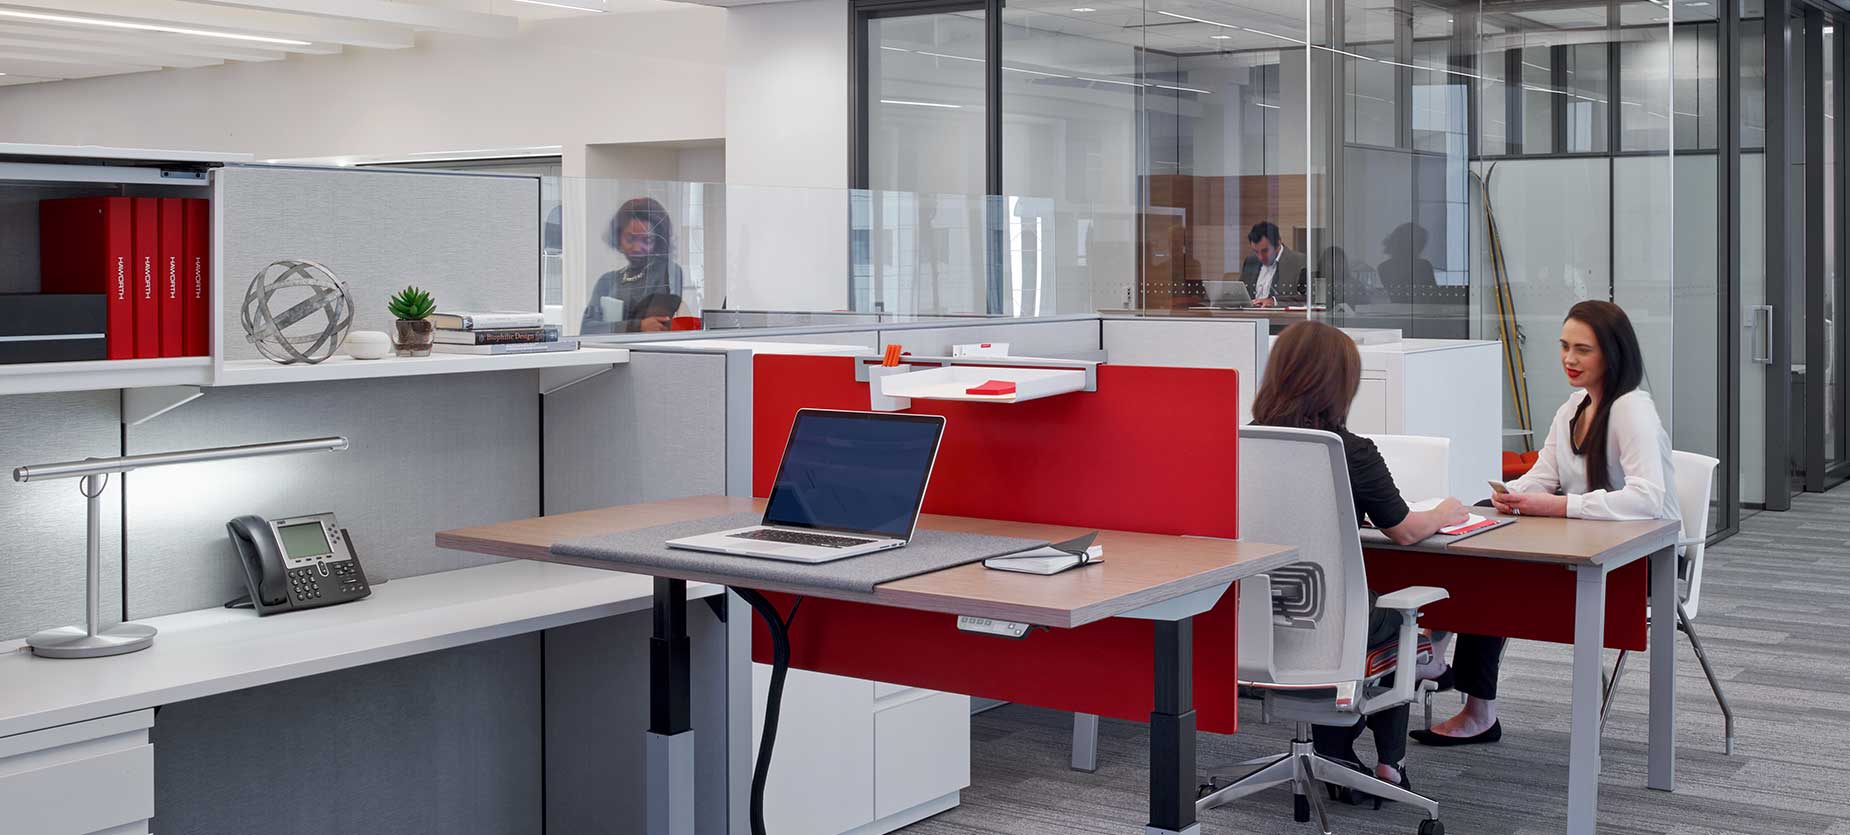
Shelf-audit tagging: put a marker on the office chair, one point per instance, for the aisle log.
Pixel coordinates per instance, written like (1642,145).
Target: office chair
(1694,477)
(1303,629)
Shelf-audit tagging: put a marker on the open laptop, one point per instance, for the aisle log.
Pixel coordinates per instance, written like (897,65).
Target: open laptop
(851,483)
(1227,293)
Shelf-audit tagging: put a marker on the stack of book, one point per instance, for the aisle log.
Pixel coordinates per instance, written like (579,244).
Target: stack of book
(497,333)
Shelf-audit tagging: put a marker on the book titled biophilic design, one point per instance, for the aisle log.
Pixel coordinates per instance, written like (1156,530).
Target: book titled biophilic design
(508,348)
(497,336)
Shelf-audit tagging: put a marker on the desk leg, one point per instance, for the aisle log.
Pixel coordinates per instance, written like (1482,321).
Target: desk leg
(1172,732)
(1583,740)
(670,741)
(1663,737)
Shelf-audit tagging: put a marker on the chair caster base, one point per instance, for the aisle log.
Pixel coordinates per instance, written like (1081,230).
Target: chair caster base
(1432,827)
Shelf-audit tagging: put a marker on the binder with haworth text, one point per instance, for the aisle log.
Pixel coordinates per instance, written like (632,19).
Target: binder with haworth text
(167,280)
(86,246)
(144,277)
(196,274)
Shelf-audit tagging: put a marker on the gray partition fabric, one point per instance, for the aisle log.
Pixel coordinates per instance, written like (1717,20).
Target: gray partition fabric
(1025,337)
(42,575)
(473,241)
(649,430)
(427,454)
(928,551)
(444,742)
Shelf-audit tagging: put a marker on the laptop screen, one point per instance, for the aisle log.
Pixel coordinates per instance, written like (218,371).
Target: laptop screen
(863,472)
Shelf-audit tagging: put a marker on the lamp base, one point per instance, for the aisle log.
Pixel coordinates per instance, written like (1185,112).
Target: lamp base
(73,642)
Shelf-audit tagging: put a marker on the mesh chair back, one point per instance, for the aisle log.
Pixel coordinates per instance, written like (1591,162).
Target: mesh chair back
(1422,466)
(1695,476)
(1294,490)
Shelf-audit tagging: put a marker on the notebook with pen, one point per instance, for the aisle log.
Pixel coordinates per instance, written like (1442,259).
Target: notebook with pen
(1051,559)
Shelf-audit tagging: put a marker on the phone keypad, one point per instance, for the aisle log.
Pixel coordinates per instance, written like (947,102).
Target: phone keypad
(303,585)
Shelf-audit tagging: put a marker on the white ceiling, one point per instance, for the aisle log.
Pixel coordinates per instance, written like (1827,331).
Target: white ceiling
(52,40)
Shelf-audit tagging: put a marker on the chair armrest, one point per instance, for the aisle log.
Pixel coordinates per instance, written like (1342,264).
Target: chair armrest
(1411,598)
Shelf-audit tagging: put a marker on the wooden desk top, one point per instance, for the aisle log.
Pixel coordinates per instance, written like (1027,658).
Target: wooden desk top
(1557,540)
(1138,569)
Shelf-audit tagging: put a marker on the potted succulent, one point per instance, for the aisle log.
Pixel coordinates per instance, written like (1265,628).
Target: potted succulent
(413,332)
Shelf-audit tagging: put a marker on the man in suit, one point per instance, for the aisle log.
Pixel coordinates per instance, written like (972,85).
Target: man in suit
(1273,274)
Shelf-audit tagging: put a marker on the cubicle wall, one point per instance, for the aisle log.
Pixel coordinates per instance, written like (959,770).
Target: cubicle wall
(42,573)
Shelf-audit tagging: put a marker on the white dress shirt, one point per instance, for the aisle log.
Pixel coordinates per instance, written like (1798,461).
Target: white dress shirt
(1262,287)
(1637,456)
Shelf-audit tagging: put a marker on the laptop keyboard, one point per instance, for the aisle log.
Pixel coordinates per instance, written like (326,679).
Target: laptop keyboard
(798,538)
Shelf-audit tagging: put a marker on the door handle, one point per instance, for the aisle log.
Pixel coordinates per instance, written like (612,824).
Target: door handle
(1760,348)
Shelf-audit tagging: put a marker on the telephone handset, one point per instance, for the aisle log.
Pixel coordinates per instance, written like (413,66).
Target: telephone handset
(297,563)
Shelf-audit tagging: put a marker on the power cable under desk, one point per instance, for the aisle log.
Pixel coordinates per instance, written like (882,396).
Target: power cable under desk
(773,703)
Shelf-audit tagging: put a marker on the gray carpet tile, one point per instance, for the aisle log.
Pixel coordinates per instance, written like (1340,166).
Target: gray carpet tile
(1775,615)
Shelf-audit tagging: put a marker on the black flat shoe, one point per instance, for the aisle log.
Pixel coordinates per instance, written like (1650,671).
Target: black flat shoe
(1405,783)
(1343,794)
(1439,740)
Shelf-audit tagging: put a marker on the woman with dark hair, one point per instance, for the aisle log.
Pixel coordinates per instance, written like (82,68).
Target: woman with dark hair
(1607,457)
(648,291)
(1311,378)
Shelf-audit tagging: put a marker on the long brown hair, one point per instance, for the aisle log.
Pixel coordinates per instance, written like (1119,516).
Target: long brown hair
(1310,379)
(1624,362)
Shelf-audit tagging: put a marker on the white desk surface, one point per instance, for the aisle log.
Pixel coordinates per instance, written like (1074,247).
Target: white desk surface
(210,651)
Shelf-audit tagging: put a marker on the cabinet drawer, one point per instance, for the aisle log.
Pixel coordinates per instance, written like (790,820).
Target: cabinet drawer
(79,779)
(921,751)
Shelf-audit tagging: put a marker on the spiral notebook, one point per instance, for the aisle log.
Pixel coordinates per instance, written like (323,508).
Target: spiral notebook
(1051,559)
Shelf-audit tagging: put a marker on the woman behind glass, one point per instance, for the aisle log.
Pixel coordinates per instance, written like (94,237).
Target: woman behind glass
(1311,378)
(648,292)
(1607,457)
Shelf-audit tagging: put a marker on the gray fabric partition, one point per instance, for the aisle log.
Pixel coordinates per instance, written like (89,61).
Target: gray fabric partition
(652,429)
(428,454)
(445,742)
(42,575)
(473,240)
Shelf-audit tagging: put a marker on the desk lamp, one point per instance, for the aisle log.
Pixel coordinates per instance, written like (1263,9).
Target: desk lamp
(90,641)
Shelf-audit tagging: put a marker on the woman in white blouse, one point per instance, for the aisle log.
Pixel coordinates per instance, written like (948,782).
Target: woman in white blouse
(1607,457)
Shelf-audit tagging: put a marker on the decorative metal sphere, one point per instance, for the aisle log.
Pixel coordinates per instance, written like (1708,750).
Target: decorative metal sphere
(308,289)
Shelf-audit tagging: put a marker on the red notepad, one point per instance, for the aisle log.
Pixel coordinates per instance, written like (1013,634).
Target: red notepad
(992,387)
(143,272)
(1487,523)
(168,281)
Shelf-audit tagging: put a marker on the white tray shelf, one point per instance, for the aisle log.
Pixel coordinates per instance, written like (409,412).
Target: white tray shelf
(951,382)
(261,372)
(92,375)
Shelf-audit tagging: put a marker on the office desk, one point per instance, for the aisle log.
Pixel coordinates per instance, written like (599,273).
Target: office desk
(1164,579)
(1592,550)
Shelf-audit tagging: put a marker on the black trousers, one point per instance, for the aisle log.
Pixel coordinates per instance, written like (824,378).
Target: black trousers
(1476,662)
(1390,727)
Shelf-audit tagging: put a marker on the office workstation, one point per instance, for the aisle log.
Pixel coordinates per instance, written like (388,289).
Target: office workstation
(847,417)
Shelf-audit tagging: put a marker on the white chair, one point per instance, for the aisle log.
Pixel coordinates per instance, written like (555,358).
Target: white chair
(1422,465)
(1695,475)
(1303,629)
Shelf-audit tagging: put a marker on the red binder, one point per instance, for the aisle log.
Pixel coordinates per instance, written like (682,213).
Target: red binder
(144,277)
(168,281)
(86,245)
(196,278)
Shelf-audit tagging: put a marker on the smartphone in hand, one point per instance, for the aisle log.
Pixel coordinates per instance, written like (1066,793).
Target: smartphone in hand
(1498,488)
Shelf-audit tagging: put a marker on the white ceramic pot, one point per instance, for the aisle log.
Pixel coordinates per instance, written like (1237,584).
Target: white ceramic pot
(368,345)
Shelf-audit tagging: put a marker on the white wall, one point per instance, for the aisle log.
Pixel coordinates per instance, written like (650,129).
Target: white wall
(568,81)
(786,108)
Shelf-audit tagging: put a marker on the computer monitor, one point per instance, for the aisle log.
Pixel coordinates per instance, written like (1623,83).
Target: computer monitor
(861,472)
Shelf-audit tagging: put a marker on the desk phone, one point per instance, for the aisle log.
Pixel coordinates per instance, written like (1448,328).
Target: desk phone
(297,563)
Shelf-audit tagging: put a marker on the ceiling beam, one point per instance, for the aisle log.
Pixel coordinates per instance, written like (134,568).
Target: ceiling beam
(422,18)
(109,42)
(56,71)
(38,50)
(250,22)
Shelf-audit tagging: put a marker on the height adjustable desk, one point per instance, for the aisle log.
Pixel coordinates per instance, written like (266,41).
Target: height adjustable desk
(1128,619)
(1575,581)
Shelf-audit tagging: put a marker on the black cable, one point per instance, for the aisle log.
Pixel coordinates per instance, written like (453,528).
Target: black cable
(780,666)
(790,620)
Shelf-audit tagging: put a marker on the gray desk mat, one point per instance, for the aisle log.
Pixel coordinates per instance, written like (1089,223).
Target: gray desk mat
(929,551)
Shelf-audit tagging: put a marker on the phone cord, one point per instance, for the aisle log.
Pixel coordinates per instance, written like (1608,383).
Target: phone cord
(780,666)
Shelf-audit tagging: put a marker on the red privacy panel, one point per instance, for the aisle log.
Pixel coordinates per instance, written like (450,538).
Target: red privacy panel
(1512,599)
(1103,667)
(1153,450)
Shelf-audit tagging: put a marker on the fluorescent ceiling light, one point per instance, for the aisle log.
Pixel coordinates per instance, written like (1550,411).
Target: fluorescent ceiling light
(1266,106)
(1111,81)
(895,49)
(146,27)
(952,57)
(1083,9)
(579,6)
(1221,37)
(1184,89)
(1035,72)
(922,104)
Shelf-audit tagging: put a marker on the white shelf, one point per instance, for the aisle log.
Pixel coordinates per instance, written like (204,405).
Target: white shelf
(262,372)
(951,383)
(759,346)
(23,149)
(92,375)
